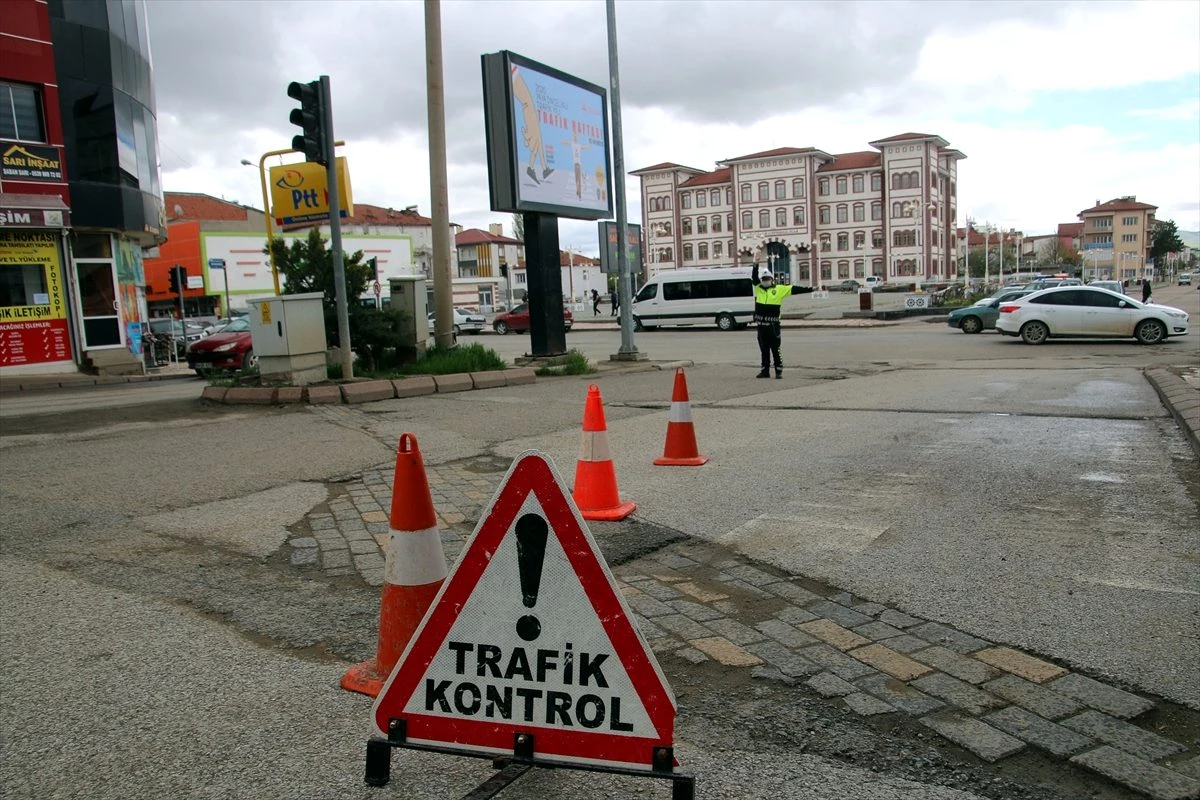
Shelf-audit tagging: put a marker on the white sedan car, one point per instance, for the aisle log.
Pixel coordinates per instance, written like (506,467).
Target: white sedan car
(463,322)
(1088,312)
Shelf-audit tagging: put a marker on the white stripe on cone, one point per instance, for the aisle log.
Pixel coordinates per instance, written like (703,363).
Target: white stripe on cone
(414,558)
(681,411)
(594,446)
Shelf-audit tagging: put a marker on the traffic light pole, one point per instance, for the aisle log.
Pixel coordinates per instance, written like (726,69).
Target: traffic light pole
(335,233)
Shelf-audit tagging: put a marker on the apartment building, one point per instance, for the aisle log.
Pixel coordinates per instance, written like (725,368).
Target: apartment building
(1115,239)
(817,217)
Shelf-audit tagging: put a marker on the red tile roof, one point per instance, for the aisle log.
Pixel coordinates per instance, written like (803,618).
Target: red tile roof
(778,151)
(905,137)
(1072,229)
(566,259)
(716,176)
(477,236)
(665,166)
(859,160)
(367,214)
(194,206)
(1119,204)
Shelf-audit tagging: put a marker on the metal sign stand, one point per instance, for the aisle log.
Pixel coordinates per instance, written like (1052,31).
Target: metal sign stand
(510,768)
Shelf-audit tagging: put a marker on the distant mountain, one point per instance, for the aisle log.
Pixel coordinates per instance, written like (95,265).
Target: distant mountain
(1190,238)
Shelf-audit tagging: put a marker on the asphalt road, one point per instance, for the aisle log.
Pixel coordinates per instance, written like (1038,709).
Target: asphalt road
(1035,496)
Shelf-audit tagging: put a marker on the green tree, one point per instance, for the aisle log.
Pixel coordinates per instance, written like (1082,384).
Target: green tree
(1164,239)
(518,226)
(306,265)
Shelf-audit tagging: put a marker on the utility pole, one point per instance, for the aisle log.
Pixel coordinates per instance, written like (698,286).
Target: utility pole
(628,351)
(335,234)
(439,193)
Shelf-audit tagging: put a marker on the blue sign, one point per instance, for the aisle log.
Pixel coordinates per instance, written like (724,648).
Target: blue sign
(216,263)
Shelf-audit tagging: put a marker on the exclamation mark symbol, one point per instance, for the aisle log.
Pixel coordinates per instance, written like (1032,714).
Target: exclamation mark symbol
(531,552)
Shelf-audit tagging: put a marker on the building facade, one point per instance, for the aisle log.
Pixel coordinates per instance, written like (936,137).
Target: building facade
(1115,240)
(815,217)
(80,194)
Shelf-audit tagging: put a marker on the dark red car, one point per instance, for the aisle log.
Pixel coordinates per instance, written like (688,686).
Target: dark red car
(518,320)
(229,347)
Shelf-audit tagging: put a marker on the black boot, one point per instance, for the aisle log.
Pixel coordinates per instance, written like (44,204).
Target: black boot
(778,374)
(764,374)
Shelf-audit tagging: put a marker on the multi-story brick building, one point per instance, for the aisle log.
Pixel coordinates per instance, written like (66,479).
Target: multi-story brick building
(817,217)
(1116,239)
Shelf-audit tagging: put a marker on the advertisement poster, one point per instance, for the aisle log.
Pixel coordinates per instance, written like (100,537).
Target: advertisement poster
(33,308)
(608,247)
(560,141)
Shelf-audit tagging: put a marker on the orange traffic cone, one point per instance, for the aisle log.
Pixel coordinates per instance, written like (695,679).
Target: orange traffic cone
(681,449)
(414,568)
(595,479)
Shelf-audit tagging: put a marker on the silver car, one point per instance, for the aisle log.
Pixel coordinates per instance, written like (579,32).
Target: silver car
(463,322)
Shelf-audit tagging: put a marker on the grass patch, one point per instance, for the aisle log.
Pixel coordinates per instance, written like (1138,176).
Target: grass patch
(231,379)
(574,363)
(436,361)
(464,358)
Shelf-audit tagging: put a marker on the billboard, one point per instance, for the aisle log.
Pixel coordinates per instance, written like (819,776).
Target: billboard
(547,139)
(608,247)
(300,192)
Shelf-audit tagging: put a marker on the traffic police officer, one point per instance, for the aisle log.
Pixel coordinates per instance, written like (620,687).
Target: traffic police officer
(768,297)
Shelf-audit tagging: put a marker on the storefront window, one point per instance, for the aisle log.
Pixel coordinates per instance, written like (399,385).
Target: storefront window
(23,285)
(92,245)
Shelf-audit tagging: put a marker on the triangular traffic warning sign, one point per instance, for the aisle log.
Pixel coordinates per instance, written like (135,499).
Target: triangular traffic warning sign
(529,634)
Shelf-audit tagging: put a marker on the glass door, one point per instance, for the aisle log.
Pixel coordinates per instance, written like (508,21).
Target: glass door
(97,282)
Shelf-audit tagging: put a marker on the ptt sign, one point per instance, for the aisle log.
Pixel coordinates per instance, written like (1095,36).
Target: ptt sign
(300,192)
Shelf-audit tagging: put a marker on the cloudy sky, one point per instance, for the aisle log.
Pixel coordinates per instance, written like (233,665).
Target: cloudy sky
(1056,105)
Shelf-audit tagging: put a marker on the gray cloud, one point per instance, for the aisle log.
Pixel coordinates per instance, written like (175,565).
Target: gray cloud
(222,66)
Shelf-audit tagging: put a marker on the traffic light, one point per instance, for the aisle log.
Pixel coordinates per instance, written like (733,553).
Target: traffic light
(503,270)
(310,118)
(178,276)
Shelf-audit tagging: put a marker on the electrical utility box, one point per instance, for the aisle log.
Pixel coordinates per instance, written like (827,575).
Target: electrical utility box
(288,332)
(408,295)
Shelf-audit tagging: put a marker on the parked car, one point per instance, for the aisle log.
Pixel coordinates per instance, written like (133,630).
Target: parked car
(518,319)
(983,314)
(183,333)
(463,321)
(849,285)
(230,347)
(1112,286)
(1049,283)
(873,282)
(1085,312)
(1185,279)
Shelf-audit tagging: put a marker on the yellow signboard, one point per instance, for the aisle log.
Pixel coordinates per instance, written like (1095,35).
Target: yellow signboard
(300,192)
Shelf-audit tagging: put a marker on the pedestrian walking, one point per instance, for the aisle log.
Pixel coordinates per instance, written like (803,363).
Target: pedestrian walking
(595,303)
(1145,290)
(615,301)
(768,300)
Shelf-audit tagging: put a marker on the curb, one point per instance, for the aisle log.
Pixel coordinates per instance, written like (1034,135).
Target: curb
(367,391)
(1180,399)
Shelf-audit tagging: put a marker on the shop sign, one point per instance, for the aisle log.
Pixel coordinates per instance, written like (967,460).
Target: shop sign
(30,162)
(300,192)
(35,330)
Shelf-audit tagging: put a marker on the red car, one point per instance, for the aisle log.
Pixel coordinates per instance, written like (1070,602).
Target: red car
(518,320)
(228,347)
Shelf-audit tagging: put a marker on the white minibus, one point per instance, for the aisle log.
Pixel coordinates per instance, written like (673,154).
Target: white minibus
(721,296)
